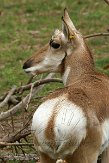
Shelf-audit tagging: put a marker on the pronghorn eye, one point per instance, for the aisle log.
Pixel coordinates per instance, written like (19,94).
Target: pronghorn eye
(54,45)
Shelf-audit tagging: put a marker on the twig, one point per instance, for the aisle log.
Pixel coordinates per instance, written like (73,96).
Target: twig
(30,96)
(23,103)
(25,126)
(12,123)
(2,128)
(20,157)
(15,144)
(8,97)
(96,34)
(21,148)
(37,83)
(28,87)
(14,109)
(14,100)
(22,133)
(30,80)
(16,150)
(15,137)
(3,97)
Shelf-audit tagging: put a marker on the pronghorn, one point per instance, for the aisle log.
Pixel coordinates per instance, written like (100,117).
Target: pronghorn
(73,122)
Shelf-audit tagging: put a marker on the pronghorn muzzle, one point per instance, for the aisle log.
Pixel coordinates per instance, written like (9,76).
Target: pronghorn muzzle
(27,65)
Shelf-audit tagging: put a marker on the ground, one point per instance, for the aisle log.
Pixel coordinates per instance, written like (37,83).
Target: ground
(26,25)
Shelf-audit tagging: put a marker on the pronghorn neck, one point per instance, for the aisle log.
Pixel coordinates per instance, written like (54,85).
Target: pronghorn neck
(77,64)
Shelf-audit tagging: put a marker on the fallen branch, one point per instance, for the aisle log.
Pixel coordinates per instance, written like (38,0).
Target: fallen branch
(14,109)
(96,34)
(15,144)
(37,83)
(23,103)
(12,138)
(21,89)
(16,137)
(3,97)
(20,157)
(8,97)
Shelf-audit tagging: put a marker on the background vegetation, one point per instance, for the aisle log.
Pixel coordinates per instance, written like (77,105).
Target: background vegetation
(26,25)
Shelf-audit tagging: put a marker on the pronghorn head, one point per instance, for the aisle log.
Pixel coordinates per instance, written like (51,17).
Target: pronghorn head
(51,57)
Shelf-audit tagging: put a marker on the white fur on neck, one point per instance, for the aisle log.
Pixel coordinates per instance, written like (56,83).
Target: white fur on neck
(65,75)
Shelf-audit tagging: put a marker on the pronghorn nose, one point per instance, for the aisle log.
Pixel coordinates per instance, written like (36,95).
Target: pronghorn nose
(27,64)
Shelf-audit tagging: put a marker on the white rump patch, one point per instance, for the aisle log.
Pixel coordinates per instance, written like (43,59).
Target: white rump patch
(69,129)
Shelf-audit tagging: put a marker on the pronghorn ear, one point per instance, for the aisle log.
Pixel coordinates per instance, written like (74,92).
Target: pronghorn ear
(65,29)
(68,21)
(68,27)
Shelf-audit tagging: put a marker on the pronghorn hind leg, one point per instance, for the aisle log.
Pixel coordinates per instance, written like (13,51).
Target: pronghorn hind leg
(44,158)
(105,156)
(84,154)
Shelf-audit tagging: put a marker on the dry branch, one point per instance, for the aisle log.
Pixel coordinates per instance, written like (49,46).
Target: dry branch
(8,97)
(15,144)
(14,109)
(15,137)
(20,157)
(96,34)
(37,83)
(24,101)
(3,97)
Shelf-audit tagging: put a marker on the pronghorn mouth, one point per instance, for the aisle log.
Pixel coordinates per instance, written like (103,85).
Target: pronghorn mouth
(33,73)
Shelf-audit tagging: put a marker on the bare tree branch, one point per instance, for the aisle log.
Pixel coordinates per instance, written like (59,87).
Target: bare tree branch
(15,137)
(3,97)
(30,80)
(20,157)
(24,102)
(96,34)
(15,144)
(8,97)
(14,109)
(37,83)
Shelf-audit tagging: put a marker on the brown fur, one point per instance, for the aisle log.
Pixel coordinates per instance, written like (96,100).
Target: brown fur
(105,156)
(49,131)
(38,57)
(85,88)
(90,93)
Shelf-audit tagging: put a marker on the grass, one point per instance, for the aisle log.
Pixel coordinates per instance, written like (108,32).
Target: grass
(25,25)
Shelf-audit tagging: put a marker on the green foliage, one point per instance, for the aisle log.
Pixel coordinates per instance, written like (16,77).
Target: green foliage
(25,25)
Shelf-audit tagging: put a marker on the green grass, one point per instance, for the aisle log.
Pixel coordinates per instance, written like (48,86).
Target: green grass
(25,25)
